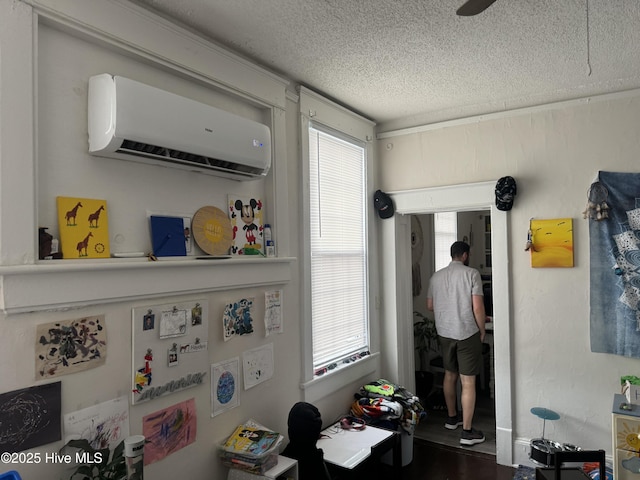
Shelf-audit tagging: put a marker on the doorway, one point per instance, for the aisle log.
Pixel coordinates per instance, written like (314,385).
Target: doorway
(396,271)
(431,237)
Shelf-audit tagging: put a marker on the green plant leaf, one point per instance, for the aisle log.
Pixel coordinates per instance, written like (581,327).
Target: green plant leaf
(118,452)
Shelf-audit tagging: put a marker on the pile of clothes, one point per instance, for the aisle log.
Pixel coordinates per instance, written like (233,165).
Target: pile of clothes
(383,403)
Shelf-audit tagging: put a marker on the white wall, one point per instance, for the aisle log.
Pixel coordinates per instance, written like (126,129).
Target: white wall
(70,44)
(554,155)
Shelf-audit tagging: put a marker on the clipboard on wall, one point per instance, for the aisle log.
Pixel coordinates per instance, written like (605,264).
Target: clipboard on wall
(168,237)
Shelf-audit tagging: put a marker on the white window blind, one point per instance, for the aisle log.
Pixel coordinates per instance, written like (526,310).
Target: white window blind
(445,232)
(340,323)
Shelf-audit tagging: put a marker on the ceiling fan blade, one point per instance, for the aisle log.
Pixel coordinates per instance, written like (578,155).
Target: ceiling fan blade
(474,7)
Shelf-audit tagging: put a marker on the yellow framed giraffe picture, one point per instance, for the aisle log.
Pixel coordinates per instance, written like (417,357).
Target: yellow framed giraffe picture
(84,227)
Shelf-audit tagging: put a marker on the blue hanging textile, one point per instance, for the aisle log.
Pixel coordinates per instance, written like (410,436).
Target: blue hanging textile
(615,263)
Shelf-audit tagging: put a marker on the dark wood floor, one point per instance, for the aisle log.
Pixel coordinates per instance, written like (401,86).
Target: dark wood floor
(432,461)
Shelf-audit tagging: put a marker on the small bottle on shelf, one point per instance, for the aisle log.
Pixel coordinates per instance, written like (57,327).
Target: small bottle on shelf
(266,233)
(270,248)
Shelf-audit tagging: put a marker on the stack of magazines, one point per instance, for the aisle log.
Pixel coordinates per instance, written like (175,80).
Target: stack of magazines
(252,448)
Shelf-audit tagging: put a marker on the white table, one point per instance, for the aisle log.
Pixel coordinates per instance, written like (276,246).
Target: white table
(347,449)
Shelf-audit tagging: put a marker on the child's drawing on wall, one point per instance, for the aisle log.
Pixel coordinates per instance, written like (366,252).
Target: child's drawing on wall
(237,319)
(70,346)
(168,430)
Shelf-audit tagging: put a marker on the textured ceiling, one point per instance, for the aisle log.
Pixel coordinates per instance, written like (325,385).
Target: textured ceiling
(409,62)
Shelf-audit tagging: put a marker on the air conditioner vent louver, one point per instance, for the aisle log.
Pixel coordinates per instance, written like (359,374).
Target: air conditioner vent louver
(161,153)
(132,121)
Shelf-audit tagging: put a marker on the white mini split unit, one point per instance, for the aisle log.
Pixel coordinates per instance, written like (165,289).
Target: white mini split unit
(132,121)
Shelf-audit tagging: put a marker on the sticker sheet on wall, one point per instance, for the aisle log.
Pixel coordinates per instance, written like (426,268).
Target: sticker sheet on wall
(70,346)
(246,223)
(237,319)
(84,227)
(225,381)
(169,430)
(551,242)
(30,417)
(170,348)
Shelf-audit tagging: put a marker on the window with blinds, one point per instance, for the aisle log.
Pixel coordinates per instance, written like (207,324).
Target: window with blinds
(445,232)
(339,299)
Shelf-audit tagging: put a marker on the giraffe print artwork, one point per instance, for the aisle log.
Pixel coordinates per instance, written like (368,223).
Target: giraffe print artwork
(84,227)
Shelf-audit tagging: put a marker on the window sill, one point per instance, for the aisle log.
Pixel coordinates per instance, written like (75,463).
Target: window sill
(62,284)
(332,381)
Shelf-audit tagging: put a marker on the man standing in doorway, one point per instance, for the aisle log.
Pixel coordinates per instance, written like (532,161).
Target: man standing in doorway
(455,296)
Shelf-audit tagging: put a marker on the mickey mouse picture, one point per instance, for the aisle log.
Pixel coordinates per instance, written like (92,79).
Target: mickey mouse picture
(246,215)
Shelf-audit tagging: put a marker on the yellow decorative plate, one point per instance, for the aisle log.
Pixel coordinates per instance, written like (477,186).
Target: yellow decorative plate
(212,231)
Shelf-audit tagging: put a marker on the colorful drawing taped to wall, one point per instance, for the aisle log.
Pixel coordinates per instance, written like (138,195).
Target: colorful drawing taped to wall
(246,222)
(104,425)
(552,242)
(224,386)
(237,318)
(30,417)
(257,365)
(70,346)
(84,227)
(169,430)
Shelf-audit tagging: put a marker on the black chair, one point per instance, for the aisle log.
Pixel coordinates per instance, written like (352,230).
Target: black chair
(581,456)
(304,426)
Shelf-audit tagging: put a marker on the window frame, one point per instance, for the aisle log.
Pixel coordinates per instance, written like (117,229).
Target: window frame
(329,117)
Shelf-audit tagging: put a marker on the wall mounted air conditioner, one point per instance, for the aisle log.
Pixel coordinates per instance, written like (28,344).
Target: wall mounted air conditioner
(132,121)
